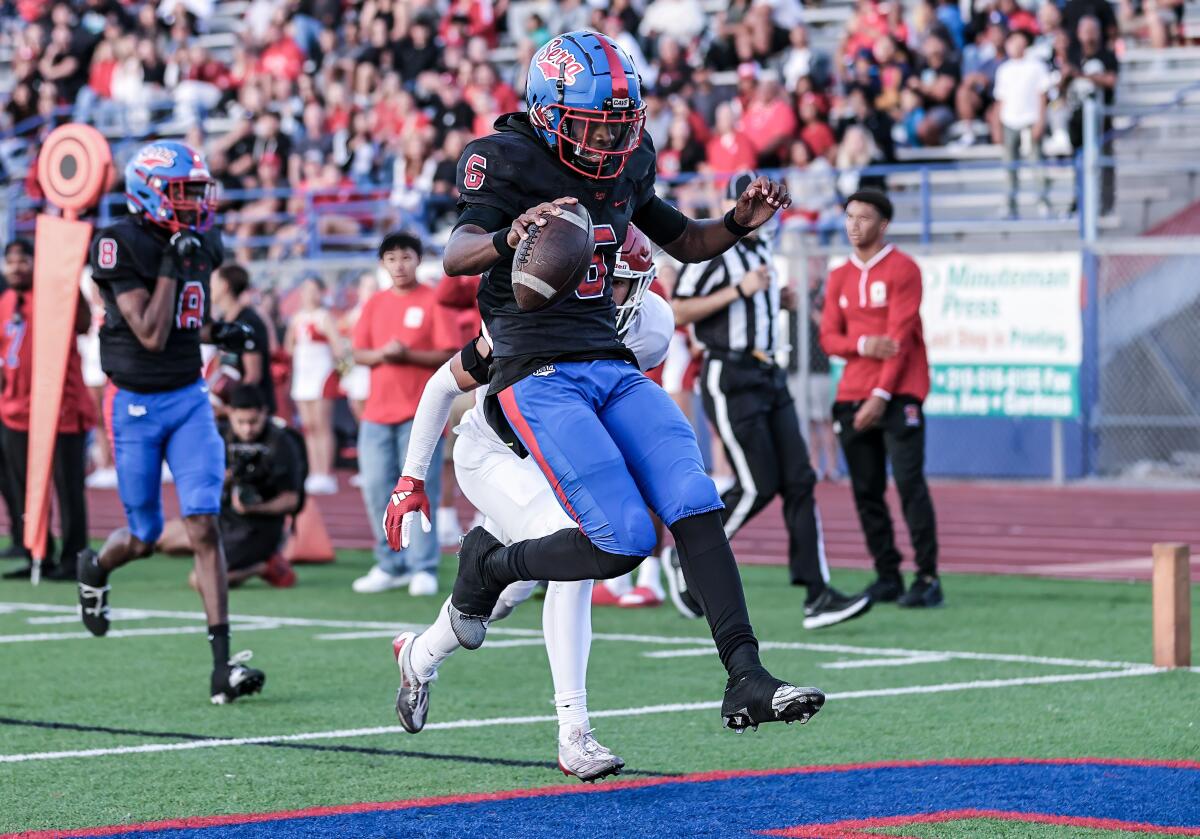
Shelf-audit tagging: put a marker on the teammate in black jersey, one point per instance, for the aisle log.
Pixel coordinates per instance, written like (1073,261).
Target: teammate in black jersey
(604,435)
(152,268)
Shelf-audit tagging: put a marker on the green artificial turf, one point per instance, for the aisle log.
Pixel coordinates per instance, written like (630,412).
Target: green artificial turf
(159,683)
(1001,829)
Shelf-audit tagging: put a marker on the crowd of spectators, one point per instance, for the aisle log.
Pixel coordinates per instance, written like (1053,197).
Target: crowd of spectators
(350,114)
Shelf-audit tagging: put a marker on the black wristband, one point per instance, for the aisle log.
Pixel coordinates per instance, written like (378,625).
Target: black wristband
(736,229)
(500,243)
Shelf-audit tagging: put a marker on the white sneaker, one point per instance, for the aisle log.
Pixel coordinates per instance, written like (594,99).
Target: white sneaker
(355,480)
(448,528)
(580,754)
(377,580)
(102,479)
(321,485)
(423,584)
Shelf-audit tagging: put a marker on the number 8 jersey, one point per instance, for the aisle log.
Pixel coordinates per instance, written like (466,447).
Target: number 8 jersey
(506,173)
(125,257)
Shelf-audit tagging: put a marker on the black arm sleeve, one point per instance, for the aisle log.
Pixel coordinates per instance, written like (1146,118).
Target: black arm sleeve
(660,221)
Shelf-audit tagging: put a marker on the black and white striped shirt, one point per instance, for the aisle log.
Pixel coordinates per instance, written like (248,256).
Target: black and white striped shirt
(744,325)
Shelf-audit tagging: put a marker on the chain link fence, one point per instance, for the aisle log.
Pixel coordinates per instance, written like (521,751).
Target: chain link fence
(1147,416)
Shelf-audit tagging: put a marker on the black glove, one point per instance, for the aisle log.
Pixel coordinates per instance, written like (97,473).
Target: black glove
(233,337)
(180,254)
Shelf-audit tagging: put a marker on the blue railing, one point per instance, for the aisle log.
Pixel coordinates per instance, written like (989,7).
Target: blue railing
(371,209)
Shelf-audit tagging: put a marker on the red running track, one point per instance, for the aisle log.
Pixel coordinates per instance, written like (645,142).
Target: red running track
(990,528)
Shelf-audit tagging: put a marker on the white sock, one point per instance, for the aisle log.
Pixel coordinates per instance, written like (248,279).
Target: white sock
(649,575)
(434,645)
(567,626)
(619,585)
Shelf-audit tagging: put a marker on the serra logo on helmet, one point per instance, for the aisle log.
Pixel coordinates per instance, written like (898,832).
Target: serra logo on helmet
(557,63)
(584,99)
(168,184)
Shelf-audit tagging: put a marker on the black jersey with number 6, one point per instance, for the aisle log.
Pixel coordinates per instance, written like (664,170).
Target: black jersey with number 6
(509,172)
(125,256)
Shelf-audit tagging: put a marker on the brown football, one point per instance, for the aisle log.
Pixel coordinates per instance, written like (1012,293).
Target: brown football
(553,259)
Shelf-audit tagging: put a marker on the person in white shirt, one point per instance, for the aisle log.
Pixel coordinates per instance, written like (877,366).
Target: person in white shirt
(1020,91)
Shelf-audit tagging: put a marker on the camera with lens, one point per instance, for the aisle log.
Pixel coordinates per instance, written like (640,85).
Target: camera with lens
(250,473)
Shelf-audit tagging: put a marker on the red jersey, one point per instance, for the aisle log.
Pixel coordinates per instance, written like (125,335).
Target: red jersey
(458,295)
(78,412)
(879,297)
(416,320)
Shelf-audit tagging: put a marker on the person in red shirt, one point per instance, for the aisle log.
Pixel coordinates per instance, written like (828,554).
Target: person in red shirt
(729,150)
(872,319)
(76,418)
(403,335)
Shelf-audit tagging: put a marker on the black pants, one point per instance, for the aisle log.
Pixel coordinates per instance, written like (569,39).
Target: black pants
(899,437)
(752,409)
(16,524)
(70,469)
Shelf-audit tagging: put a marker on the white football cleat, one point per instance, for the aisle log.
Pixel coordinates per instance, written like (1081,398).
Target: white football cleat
(582,755)
(412,699)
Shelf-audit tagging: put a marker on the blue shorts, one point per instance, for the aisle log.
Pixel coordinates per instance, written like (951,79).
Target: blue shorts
(175,425)
(611,442)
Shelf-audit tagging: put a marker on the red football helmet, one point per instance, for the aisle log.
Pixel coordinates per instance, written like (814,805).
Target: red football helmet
(635,262)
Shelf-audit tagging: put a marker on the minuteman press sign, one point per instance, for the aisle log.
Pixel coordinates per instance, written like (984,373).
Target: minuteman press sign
(1004,334)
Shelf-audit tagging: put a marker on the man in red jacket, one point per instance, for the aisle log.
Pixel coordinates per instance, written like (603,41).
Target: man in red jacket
(872,319)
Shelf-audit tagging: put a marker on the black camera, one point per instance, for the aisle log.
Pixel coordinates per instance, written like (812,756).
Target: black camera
(250,473)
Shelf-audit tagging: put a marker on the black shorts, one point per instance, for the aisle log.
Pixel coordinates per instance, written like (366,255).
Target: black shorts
(249,540)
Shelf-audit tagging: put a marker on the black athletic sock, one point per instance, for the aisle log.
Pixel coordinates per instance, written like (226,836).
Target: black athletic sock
(713,580)
(815,590)
(218,639)
(563,556)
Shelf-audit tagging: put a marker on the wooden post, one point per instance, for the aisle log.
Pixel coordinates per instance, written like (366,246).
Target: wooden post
(1172,606)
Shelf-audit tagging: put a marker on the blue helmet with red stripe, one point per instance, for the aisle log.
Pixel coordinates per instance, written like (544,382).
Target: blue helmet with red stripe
(584,98)
(168,183)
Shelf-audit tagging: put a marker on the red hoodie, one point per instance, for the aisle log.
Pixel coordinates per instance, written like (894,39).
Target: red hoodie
(879,297)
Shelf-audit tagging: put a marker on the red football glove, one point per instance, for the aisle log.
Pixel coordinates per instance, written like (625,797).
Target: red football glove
(408,499)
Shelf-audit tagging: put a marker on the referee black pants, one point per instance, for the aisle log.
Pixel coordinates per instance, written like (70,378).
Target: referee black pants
(70,468)
(752,409)
(900,438)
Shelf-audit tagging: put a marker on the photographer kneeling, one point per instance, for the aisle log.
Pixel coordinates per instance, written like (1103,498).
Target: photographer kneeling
(264,480)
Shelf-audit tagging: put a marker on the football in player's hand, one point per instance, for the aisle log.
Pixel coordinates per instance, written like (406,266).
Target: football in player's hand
(553,259)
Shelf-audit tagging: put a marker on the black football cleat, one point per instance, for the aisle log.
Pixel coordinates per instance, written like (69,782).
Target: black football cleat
(885,589)
(235,679)
(93,592)
(832,607)
(757,698)
(924,593)
(471,601)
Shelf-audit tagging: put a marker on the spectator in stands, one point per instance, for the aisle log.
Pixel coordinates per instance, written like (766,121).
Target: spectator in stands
(1091,71)
(856,110)
(936,81)
(893,68)
(231,293)
(729,150)
(1021,85)
(768,121)
(259,220)
(682,153)
(357,382)
(403,335)
(799,58)
(973,100)
(76,417)
(815,130)
(313,341)
(1075,11)
(810,183)
(681,19)
(857,152)
(1049,19)
(1156,18)
(412,177)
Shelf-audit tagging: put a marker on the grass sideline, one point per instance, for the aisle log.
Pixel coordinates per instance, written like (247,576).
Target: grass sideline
(158,683)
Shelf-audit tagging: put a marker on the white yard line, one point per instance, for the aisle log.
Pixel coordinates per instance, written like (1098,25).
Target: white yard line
(854,664)
(345,734)
(129,633)
(694,646)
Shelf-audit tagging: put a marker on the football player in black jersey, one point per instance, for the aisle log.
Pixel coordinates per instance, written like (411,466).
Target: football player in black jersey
(152,268)
(604,435)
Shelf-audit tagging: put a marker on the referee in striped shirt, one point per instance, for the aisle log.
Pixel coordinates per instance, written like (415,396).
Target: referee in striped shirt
(733,304)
